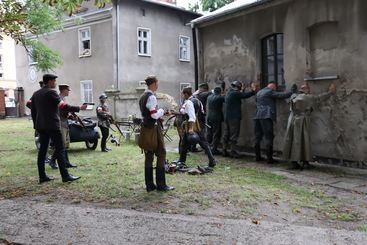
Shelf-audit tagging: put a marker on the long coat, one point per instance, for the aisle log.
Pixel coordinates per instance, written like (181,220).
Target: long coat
(297,142)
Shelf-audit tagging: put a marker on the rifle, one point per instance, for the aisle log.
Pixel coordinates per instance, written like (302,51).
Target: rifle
(78,119)
(113,121)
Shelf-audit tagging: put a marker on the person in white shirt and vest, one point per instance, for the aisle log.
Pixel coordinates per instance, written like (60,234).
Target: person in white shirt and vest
(152,120)
(194,124)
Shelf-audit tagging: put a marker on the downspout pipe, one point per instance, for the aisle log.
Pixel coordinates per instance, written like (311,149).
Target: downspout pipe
(196,62)
(117,45)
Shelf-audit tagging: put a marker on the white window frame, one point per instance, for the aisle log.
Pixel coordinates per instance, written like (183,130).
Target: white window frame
(188,47)
(148,39)
(31,61)
(1,62)
(81,39)
(182,86)
(82,90)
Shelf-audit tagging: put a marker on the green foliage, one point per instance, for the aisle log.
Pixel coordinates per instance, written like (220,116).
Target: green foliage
(211,5)
(46,58)
(195,7)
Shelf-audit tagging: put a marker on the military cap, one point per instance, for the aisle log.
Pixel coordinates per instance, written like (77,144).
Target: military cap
(41,83)
(103,96)
(48,77)
(236,84)
(204,85)
(64,86)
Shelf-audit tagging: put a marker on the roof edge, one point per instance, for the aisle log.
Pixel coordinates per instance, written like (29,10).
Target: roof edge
(210,17)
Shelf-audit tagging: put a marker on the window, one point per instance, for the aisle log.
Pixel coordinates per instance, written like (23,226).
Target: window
(272,60)
(85,42)
(144,42)
(1,61)
(184,48)
(1,75)
(86,91)
(182,86)
(30,57)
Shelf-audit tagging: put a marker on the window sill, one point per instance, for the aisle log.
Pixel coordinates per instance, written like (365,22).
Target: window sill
(85,55)
(145,55)
(33,63)
(182,60)
(325,78)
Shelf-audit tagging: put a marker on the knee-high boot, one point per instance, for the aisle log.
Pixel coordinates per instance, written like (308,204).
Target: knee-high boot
(161,180)
(149,179)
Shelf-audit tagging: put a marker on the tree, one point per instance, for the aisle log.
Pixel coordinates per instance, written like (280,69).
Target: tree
(211,5)
(26,20)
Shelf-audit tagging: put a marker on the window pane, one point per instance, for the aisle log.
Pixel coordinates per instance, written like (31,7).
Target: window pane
(270,46)
(280,44)
(145,47)
(280,64)
(139,33)
(270,65)
(139,46)
(145,34)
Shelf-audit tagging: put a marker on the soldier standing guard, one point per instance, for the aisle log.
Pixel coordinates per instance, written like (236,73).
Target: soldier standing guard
(151,121)
(104,117)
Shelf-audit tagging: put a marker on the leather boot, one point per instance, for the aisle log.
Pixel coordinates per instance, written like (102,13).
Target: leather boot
(150,186)
(52,162)
(68,163)
(258,153)
(269,155)
(161,180)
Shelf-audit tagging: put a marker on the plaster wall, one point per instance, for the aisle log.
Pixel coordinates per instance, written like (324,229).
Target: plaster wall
(98,67)
(166,25)
(231,50)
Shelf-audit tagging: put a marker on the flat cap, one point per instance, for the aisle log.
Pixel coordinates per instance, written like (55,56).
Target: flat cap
(48,77)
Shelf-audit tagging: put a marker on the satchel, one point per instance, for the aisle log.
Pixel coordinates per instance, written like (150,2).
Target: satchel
(148,139)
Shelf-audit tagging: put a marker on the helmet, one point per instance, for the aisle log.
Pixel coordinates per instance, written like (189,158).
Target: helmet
(193,139)
(236,84)
(103,96)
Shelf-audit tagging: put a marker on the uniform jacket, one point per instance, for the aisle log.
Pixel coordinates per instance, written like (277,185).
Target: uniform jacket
(297,141)
(215,108)
(203,97)
(45,109)
(103,115)
(265,103)
(233,103)
(64,115)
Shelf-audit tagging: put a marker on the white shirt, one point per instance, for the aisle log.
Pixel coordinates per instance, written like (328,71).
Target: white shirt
(188,108)
(152,106)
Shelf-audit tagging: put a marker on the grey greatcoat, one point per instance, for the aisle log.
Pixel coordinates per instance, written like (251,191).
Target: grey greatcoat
(297,143)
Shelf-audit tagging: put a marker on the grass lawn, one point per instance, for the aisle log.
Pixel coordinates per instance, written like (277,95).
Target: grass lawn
(116,180)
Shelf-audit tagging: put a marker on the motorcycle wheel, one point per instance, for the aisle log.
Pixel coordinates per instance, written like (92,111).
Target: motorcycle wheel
(91,144)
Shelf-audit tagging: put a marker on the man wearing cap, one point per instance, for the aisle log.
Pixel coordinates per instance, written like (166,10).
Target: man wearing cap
(265,118)
(215,119)
(45,107)
(64,115)
(193,110)
(104,120)
(297,141)
(152,120)
(232,116)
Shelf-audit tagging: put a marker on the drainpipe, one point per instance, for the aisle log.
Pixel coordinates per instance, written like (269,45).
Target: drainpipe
(196,62)
(117,45)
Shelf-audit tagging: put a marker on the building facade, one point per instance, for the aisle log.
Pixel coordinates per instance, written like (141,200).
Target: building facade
(115,48)
(318,41)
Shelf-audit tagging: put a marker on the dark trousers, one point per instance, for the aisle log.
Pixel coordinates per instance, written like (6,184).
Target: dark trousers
(214,133)
(203,143)
(264,128)
(105,133)
(231,133)
(160,153)
(56,137)
(54,157)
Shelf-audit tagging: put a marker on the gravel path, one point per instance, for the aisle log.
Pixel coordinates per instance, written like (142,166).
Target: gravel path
(29,222)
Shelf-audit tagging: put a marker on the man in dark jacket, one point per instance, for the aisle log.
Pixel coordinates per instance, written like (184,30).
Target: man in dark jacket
(215,119)
(104,118)
(265,118)
(232,117)
(45,106)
